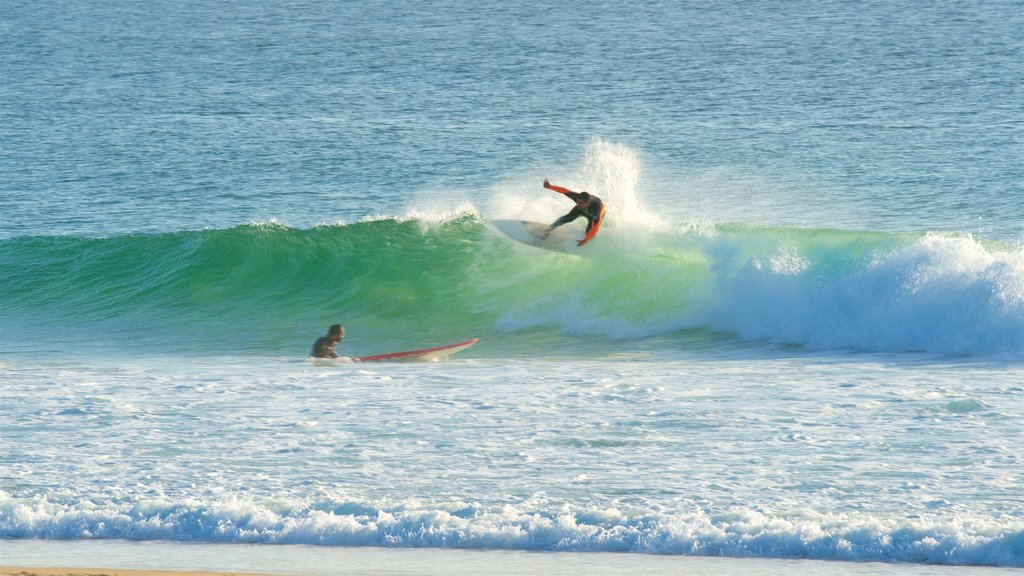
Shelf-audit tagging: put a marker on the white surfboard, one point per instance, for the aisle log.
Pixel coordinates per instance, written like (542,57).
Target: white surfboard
(561,239)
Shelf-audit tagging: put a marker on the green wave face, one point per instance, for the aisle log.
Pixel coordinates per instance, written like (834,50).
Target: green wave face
(400,284)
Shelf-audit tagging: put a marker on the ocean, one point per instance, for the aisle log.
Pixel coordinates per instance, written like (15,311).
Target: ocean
(798,336)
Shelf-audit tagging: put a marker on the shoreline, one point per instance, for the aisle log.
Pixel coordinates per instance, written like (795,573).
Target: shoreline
(62,571)
(162,558)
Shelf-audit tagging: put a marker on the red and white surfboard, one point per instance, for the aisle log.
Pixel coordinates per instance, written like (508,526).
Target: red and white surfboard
(425,355)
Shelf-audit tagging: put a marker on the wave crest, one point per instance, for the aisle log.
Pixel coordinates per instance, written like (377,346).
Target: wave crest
(455,277)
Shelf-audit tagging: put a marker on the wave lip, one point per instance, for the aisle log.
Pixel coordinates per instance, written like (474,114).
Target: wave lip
(736,533)
(938,294)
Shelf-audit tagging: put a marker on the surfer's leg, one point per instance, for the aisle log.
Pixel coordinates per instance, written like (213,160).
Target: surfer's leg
(572,215)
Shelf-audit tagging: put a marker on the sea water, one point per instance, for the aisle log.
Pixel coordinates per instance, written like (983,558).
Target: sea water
(798,335)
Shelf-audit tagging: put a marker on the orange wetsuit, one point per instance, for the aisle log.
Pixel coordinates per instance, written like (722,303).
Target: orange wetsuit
(594,213)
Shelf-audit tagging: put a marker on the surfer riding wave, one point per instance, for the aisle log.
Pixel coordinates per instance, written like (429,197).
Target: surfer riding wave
(587,205)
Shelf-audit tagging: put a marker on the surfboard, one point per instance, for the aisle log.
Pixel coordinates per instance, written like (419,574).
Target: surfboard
(424,355)
(561,239)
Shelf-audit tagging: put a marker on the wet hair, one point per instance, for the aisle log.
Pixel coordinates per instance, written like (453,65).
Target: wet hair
(584,196)
(336,329)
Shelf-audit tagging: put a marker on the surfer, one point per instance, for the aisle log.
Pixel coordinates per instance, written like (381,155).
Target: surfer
(587,205)
(324,345)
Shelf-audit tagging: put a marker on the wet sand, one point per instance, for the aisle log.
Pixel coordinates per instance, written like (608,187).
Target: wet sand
(35,571)
(125,558)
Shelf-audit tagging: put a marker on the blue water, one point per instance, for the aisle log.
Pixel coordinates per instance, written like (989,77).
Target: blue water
(799,334)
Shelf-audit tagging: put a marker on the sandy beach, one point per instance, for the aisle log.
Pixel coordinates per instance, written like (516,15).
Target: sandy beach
(35,571)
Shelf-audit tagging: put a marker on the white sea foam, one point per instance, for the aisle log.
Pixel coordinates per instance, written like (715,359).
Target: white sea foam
(939,294)
(789,458)
(738,533)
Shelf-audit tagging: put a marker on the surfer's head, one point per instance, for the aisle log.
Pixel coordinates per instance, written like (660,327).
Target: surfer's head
(583,200)
(336,331)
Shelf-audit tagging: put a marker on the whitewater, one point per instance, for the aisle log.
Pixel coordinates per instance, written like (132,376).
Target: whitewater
(866,458)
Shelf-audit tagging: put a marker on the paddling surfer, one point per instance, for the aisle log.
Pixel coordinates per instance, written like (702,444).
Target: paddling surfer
(324,345)
(587,205)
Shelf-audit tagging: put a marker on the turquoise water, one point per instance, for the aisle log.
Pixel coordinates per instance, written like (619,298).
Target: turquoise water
(194,292)
(799,333)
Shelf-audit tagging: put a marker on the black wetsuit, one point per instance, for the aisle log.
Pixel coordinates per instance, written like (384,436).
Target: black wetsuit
(324,348)
(591,212)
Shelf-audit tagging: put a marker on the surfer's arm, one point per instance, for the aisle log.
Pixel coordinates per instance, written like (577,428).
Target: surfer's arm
(558,189)
(592,228)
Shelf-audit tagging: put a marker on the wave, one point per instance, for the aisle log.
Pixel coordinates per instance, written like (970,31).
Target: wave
(266,288)
(736,532)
